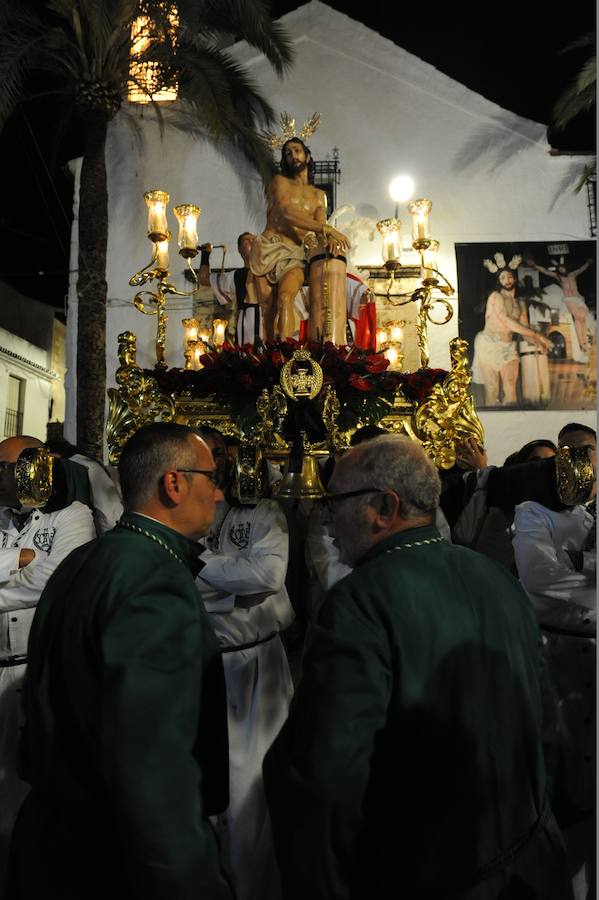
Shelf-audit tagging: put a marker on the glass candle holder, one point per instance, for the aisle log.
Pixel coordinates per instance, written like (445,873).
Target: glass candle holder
(187,216)
(389,230)
(420,211)
(157,201)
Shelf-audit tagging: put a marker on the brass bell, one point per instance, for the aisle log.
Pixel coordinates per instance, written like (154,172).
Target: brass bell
(302,485)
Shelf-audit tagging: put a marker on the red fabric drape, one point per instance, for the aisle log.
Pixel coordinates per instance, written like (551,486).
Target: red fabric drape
(366,328)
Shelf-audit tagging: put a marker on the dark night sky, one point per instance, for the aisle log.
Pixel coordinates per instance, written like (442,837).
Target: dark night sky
(508,53)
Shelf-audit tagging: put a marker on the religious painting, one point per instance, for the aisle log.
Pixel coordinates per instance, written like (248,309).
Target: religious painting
(528,312)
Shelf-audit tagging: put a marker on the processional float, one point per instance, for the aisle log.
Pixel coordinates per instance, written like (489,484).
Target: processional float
(289,402)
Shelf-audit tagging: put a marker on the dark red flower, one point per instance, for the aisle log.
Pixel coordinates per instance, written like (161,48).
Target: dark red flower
(376,363)
(359,383)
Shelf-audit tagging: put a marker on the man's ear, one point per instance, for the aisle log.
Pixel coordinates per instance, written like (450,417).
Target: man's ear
(170,488)
(389,505)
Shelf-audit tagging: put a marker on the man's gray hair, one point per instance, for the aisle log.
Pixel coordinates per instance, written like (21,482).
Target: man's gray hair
(148,454)
(397,463)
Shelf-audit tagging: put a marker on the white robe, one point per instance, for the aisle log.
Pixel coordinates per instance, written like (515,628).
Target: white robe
(243,588)
(565,603)
(52,536)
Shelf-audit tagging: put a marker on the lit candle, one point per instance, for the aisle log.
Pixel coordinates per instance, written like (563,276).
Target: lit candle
(187,216)
(197,353)
(396,333)
(191,327)
(381,338)
(420,211)
(156,202)
(391,247)
(392,355)
(429,259)
(161,252)
(205,337)
(219,326)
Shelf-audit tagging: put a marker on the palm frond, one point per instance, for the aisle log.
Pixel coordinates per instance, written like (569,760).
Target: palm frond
(585,40)
(248,20)
(572,102)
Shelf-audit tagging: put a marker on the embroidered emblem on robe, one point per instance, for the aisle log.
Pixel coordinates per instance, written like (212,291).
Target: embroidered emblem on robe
(43,538)
(240,535)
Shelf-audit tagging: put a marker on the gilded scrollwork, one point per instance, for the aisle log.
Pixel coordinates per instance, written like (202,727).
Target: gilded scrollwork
(336,439)
(447,416)
(137,401)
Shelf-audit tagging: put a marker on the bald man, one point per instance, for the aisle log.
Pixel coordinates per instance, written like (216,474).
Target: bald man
(32,543)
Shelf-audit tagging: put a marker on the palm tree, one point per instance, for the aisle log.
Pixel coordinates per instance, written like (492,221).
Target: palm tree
(81,51)
(579,97)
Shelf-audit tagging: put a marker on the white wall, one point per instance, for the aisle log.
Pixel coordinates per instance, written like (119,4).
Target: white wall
(488,172)
(37,384)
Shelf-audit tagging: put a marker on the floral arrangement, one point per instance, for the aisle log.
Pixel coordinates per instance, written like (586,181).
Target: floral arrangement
(237,376)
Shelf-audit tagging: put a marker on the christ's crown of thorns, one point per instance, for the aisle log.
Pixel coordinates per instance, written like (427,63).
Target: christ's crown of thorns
(288,130)
(500,262)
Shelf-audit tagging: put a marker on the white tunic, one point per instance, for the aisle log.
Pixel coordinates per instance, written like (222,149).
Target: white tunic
(106,500)
(52,536)
(243,588)
(565,603)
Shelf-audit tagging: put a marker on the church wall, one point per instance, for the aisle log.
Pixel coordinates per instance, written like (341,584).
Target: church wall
(488,172)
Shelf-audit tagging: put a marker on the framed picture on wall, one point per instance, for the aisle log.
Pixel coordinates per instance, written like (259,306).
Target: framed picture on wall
(528,312)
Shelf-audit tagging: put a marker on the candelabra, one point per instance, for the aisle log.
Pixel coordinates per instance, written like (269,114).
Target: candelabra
(152,303)
(434,288)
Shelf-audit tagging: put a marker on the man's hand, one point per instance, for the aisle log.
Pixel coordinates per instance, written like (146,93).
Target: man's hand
(541,341)
(336,241)
(470,456)
(25,557)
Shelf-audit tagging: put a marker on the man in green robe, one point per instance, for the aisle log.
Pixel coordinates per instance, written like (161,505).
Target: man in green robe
(412,763)
(125,744)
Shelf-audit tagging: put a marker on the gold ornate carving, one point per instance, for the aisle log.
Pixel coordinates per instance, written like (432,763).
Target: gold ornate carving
(447,416)
(272,409)
(574,474)
(336,439)
(120,425)
(206,412)
(137,402)
(249,478)
(301,376)
(33,477)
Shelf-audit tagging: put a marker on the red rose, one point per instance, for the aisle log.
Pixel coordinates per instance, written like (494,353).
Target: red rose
(359,383)
(376,363)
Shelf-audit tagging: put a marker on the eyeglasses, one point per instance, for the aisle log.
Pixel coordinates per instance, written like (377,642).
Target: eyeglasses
(329,501)
(210,475)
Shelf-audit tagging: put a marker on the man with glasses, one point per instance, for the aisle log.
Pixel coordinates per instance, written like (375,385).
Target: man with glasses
(125,743)
(412,763)
(32,544)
